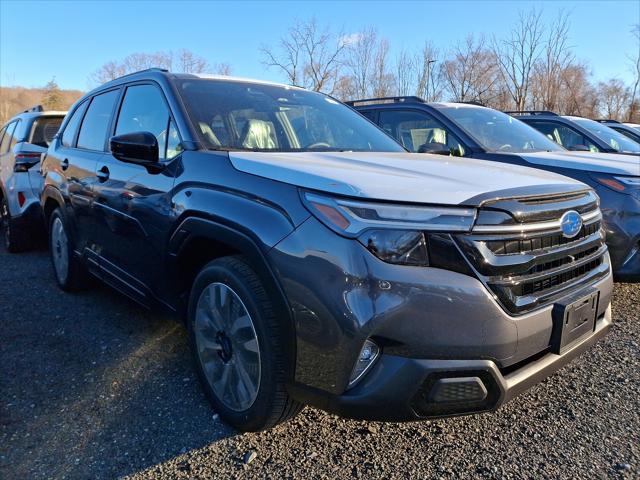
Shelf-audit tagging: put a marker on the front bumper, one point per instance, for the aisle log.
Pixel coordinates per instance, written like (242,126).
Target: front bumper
(401,389)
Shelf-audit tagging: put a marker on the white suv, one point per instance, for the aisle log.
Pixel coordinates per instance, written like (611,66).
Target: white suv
(23,139)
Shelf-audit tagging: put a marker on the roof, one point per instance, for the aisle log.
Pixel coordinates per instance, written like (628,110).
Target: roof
(227,78)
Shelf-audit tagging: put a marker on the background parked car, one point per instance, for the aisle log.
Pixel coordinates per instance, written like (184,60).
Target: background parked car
(474,131)
(23,140)
(578,133)
(628,130)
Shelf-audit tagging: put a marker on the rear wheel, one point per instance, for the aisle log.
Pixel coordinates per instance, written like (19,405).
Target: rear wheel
(69,272)
(14,239)
(236,344)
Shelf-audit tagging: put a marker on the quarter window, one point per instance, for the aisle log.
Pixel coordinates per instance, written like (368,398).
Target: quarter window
(93,131)
(71,129)
(2,135)
(414,129)
(144,110)
(8,139)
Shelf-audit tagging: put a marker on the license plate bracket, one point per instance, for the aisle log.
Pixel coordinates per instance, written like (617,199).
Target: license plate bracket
(573,319)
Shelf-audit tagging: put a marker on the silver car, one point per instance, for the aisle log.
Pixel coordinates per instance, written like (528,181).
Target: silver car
(23,139)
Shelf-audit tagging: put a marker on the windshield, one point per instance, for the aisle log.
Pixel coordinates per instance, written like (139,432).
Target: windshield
(614,139)
(233,115)
(498,132)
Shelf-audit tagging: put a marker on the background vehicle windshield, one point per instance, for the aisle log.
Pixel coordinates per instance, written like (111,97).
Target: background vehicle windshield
(251,116)
(614,139)
(498,132)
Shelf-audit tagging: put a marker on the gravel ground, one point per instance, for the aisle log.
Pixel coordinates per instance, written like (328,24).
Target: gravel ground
(93,386)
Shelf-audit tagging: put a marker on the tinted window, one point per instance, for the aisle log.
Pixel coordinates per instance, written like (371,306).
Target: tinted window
(563,135)
(72,126)
(496,131)
(14,135)
(2,132)
(614,139)
(370,114)
(93,131)
(236,115)
(413,129)
(44,129)
(144,110)
(7,139)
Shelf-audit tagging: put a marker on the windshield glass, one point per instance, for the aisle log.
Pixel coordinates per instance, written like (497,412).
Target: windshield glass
(614,139)
(498,132)
(234,115)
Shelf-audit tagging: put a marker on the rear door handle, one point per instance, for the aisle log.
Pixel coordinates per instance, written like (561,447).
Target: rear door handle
(103,174)
(64,164)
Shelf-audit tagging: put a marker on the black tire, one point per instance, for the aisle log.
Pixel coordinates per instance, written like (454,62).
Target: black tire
(272,404)
(76,277)
(15,239)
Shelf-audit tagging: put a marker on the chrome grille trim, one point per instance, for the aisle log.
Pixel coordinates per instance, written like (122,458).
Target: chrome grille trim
(530,264)
(533,227)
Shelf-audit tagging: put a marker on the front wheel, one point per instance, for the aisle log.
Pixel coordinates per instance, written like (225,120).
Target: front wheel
(237,346)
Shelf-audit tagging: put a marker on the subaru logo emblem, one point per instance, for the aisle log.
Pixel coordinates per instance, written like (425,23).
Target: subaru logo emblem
(570,223)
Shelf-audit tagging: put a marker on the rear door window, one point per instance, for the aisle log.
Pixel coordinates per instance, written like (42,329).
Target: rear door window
(414,129)
(93,132)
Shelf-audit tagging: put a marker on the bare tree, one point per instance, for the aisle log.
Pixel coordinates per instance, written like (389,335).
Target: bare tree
(184,61)
(577,94)
(614,99)
(309,56)
(557,55)
(360,53)
(222,68)
(470,71)
(406,73)
(517,54)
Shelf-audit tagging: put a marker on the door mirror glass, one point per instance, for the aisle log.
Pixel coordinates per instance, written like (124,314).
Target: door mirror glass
(435,148)
(140,148)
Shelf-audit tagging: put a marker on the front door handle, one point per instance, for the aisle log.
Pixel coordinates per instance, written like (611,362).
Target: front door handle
(103,174)
(64,164)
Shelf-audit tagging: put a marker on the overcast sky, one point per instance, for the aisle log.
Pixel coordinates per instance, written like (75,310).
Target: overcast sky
(69,40)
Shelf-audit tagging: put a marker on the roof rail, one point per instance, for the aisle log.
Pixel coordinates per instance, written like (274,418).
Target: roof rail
(152,69)
(531,112)
(606,120)
(473,102)
(400,99)
(37,108)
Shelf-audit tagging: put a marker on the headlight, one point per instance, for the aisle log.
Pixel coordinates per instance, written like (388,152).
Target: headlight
(352,217)
(619,183)
(393,233)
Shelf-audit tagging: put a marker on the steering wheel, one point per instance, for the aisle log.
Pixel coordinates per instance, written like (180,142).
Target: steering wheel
(318,145)
(506,146)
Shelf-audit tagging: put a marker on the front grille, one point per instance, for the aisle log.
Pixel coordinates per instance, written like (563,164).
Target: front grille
(534,266)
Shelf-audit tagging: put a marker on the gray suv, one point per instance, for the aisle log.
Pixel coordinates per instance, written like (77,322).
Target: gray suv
(23,139)
(315,261)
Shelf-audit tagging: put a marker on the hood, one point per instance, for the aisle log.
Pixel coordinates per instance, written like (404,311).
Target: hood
(586,161)
(400,177)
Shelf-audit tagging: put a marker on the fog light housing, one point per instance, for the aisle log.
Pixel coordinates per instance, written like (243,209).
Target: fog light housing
(368,356)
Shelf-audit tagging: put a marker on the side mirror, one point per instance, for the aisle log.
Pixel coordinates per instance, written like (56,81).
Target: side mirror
(435,148)
(140,148)
(579,148)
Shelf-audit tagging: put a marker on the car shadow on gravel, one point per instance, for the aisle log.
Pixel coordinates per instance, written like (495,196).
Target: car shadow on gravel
(93,385)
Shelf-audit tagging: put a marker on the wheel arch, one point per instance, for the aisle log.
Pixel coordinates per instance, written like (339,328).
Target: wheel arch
(198,241)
